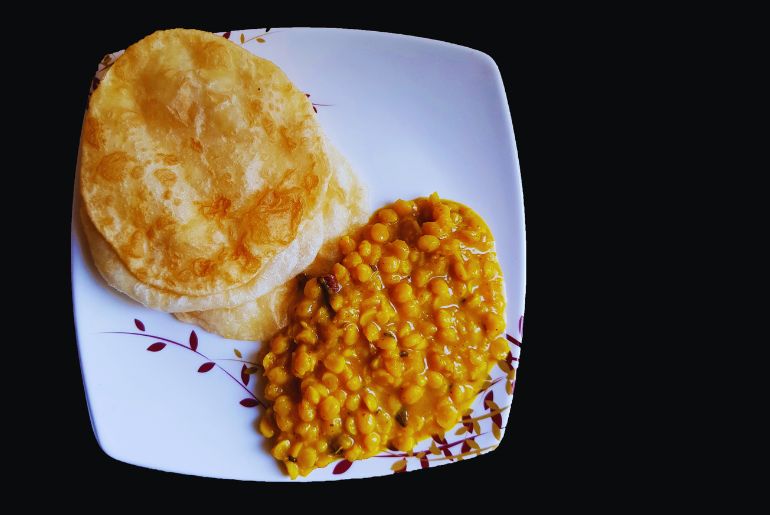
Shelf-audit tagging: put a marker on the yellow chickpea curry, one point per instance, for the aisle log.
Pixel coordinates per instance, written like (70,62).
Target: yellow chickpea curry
(391,346)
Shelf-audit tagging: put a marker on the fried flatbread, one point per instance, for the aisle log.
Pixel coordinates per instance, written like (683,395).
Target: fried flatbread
(300,253)
(346,207)
(256,320)
(203,170)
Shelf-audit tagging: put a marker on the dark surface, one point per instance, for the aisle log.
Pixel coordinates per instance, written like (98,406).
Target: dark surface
(565,436)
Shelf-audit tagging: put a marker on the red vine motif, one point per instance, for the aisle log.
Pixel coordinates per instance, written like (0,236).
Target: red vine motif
(317,105)
(444,447)
(259,38)
(342,467)
(441,440)
(208,365)
(490,397)
(489,384)
(506,366)
(513,340)
(107,61)
(497,419)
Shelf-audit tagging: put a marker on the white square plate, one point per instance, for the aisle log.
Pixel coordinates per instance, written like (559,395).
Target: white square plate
(413,116)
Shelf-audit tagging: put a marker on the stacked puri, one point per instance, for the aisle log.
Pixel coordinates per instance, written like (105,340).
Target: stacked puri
(208,185)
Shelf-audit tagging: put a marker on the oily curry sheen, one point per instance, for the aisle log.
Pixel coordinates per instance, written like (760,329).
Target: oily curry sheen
(200,164)
(391,346)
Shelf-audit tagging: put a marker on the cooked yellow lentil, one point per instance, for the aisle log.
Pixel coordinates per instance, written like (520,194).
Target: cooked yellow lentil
(392,346)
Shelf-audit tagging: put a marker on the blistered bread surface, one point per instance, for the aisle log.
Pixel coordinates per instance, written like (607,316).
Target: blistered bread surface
(345,207)
(200,166)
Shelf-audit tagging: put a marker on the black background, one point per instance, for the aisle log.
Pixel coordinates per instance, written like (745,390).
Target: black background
(566,74)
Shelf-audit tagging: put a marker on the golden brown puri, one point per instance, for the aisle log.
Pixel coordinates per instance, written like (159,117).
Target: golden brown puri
(345,208)
(299,253)
(201,167)
(255,320)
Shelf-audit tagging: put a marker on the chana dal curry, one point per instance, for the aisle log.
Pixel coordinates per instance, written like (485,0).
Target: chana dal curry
(391,346)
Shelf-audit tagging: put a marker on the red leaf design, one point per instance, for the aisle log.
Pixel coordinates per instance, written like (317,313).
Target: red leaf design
(226,35)
(498,420)
(157,346)
(465,448)
(342,467)
(424,463)
(439,439)
(245,376)
(249,403)
(206,367)
(447,453)
(513,340)
(139,325)
(490,397)
(193,341)
(509,358)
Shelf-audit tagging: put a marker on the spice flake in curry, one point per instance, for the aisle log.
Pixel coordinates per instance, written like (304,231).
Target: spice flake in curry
(391,346)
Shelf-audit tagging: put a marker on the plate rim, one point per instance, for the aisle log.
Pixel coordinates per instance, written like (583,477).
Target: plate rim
(77,250)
